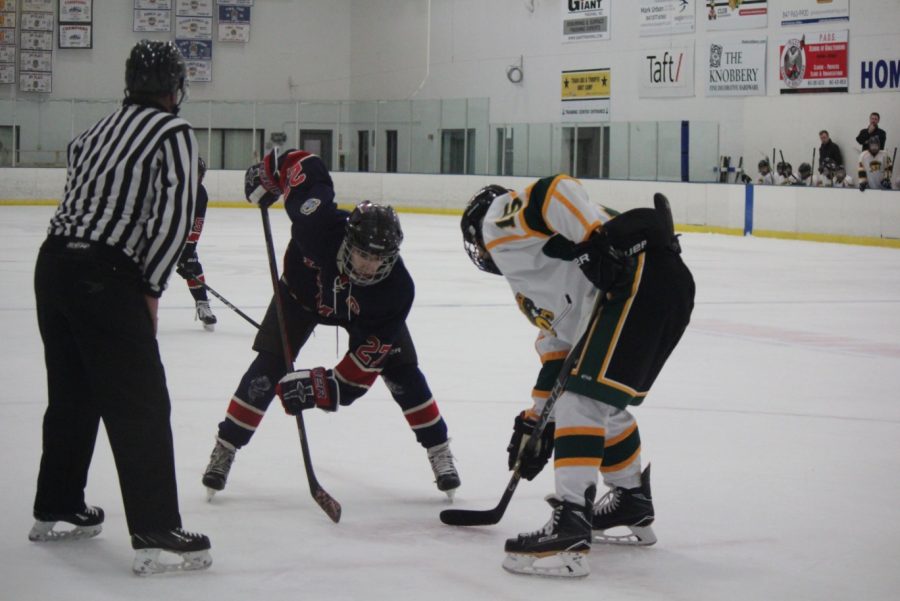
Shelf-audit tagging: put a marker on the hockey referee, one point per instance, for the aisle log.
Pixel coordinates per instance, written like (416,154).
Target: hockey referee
(126,212)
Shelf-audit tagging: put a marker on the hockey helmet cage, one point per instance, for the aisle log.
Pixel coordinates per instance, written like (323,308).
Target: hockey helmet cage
(201,169)
(805,170)
(873,141)
(763,163)
(371,244)
(155,68)
(473,216)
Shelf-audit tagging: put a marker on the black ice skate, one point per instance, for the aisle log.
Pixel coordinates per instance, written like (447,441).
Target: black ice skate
(631,508)
(445,474)
(190,547)
(88,524)
(216,473)
(558,549)
(205,315)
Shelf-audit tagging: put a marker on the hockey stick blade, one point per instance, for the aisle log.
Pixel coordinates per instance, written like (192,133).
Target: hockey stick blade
(488,517)
(331,507)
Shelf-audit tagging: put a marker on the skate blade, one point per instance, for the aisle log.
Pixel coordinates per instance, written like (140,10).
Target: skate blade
(43,532)
(209,327)
(557,565)
(146,562)
(450,494)
(210,493)
(639,536)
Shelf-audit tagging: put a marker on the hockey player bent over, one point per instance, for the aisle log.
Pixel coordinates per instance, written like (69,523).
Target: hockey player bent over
(557,251)
(339,269)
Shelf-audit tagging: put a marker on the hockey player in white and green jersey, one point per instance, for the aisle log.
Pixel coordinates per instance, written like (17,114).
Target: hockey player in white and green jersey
(558,251)
(874,167)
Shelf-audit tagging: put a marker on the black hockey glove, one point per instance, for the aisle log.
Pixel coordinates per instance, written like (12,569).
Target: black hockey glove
(258,188)
(608,268)
(532,464)
(189,268)
(886,184)
(863,185)
(308,388)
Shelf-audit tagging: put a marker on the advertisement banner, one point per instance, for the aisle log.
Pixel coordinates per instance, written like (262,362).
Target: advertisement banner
(736,67)
(879,74)
(803,12)
(666,72)
(814,62)
(665,17)
(736,14)
(585,20)
(585,95)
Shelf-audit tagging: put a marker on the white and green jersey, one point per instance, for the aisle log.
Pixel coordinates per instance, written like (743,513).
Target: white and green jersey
(874,168)
(530,235)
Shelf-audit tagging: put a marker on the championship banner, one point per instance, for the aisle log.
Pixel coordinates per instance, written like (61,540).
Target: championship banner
(666,72)
(665,17)
(814,62)
(234,23)
(736,67)
(585,95)
(736,14)
(803,12)
(585,20)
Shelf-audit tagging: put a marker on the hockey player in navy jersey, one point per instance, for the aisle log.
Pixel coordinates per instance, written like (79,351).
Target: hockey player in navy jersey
(189,266)
(341,269)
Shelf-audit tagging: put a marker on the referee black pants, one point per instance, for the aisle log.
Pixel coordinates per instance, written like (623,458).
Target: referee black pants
(102,363)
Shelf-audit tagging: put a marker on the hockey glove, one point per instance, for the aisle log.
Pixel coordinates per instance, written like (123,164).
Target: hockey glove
(259,188)
(885,184)
(530,465)
(308,388)
(190,268)
(863,185)
(608,268)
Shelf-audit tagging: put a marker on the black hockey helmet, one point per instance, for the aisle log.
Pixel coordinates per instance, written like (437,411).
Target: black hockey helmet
(473,216)
(153,69)
(805,170)
(764,163)
(371,244)
(201,169)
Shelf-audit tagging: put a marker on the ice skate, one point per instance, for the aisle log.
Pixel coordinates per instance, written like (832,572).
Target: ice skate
(445,474)
(559,549)
(625,508)
(216,473)
(205,315)
(190,548)
(87,524)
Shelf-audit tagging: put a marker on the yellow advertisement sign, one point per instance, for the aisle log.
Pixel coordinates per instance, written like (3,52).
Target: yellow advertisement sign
(584,84)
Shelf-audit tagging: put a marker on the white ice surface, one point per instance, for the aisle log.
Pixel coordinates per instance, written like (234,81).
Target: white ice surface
(774,432)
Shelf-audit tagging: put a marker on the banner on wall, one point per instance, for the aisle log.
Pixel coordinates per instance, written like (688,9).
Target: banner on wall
(736,67)
(234,23)
(585,20)
(666,72)
(665,17)
(585,95)
(7,41)
(803,12)
(879,73)
(736,14)
(814,62)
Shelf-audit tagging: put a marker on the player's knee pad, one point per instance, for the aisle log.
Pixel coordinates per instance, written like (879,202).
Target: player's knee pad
(257,387)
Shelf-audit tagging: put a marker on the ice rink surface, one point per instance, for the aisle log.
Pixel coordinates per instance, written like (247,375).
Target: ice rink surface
(774,433)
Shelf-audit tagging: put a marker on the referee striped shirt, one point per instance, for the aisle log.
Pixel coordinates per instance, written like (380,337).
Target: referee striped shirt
(131,183)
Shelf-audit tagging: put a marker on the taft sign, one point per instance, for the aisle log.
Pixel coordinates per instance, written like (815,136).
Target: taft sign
(666,72)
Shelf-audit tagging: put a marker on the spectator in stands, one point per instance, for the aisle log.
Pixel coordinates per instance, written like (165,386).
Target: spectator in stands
(828,151)
(873,130)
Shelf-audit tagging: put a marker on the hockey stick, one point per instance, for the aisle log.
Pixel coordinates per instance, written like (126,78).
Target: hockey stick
(227,304)
(473,517)
(331,507)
